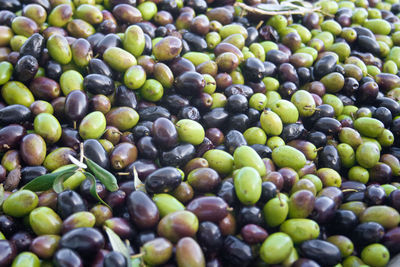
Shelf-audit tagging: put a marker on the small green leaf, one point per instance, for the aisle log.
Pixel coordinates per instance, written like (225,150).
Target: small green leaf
(137,182)
(1,194)
(106,177)
(58,186)
(118,245)
(93,190)
(45,182)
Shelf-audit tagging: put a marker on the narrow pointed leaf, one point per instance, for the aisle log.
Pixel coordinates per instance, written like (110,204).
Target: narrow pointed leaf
(118,245)
(93,190)
(274,7)
(45,182)
(106,177)
(58,186)
(1,194)
(77,162)
(138,183)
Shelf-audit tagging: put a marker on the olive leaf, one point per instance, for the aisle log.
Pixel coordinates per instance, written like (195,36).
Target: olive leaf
(118,245)
(1,194)
(58,186)
(290,7)
(93,190)
(77,162)
(137,182)
(45,182)
(106,177)
(274,7)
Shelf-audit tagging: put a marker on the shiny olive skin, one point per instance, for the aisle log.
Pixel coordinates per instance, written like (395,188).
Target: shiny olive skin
(14,114)
(76,105)
(10,136)
(95,151)
(163,180)
(208,208)
(143,211)
(67,257)
(90,241)
(69,202)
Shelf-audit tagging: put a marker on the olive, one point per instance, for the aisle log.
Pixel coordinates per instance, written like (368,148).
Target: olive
(8,252)
(164,133)
(143,211)
(237,252)
(69,202)
(67,257)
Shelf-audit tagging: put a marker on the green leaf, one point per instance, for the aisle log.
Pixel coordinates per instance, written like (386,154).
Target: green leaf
(45,182)
(58,186)
(106,177)
(93,190)
(118,245)
(274,7)
(1,194)
(137,182)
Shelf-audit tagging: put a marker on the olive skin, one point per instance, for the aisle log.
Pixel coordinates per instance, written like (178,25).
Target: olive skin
(96,152)
(10,136)
(8,252)
(76,105)
(14,114)
(33,46)
(90,241)
(33,149)
(98,66)
(164,133)
(208,208)
(177,225)
(189,253)
(26,68)
(98,84)
(123,155)
(69,202)
(314,249)
(67,257)
(178,156)
(143,211)
(163,180)
(44,246)
(190,83)
(236,252)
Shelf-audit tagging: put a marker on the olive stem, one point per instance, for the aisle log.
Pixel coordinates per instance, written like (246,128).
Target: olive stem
(123,173)
(259,24)
(278,194)
(82,152)
(349,190)
(139,255)
(74,125)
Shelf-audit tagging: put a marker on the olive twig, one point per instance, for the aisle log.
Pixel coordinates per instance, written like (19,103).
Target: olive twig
(259,24)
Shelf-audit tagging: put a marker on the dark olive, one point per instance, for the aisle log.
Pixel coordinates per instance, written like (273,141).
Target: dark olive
(69,202)
(143,211)
(236,252)
(26,68)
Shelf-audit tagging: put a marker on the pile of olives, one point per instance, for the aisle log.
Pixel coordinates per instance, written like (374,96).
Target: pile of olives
(235,138)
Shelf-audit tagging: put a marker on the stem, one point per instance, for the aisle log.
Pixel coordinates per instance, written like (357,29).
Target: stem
(74,125)
(82,152)
(278,194)
(137,255)
(123,173)
(259,24)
